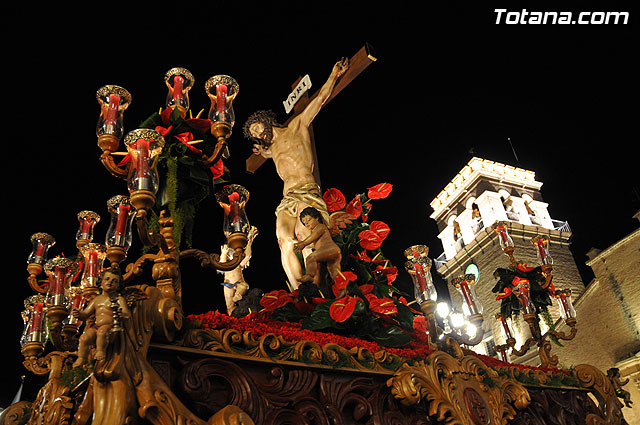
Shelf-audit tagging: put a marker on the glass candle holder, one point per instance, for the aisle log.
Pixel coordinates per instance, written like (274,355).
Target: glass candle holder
(60,271)
(222,90)
(33,316)
(41,243)
(144,146)
(233,198)
(179,81)
(75,301)
(523,293)
(502,230)
(465,284)
(113,100)
(122,215)
(87,220)
(94,255)
(565,304)
(419,268)
(541,242)
(505,326)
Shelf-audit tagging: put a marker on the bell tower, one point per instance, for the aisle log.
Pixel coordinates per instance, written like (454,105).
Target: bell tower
(481,194)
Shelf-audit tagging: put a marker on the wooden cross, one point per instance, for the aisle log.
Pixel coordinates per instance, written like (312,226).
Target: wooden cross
(363,58)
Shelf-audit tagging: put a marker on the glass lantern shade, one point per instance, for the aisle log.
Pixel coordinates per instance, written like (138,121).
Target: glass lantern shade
(523,294)
(418,265)
(179,81)
(122,215)
(542,248)
(33,316)
(502,229)
(61,272)
(41,244)
(113,100)
(465,284)
(565,305)
(87,220)
(222,90)
(94,255)
(144,146)
(505,326)
(233,198)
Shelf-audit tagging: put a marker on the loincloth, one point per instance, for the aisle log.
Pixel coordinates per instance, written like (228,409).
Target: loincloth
(308,194)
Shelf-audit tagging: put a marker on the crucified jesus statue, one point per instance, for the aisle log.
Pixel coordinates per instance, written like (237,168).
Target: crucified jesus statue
(290,148)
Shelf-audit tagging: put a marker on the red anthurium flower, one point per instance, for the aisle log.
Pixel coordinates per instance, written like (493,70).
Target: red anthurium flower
(166,115)
(391,272)
(504,294)
(403,300)
(362,256)
(162,130)
(342,280)
(185,138)
(318,300)
(369,240)
(380,228)
(200,123)
(523,267)
(217,169)
(275,299)
(380,191)
(334,199)
(342,308)
(382,305)
(366,288)
(516,281)
(355,207)
(125,160)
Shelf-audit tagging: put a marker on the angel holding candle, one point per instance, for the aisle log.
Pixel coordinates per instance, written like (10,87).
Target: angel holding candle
(102,308)
(234,284)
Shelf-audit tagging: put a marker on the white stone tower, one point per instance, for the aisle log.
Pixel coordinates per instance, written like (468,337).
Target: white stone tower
(482,193)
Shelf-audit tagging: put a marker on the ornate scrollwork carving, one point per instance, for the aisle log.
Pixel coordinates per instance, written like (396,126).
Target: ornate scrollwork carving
(276,348)
(461,391)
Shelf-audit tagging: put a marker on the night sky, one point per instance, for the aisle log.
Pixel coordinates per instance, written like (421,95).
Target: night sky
(449,84)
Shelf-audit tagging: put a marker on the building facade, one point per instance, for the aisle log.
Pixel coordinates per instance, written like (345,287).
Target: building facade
(485,192)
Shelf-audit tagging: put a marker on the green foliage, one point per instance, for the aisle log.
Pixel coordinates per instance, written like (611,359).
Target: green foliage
(184,181)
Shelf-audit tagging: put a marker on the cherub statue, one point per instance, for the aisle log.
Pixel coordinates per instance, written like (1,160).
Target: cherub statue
(234,284)
(614,376)
(325,249)
(106,317)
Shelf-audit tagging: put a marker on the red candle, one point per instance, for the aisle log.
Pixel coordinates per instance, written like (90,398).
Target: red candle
(503,233)
(505,326)
(221,98)
(111,112)
(85,228)
(235,207)
(178,82)
(565,305)
(422,280)
(142,165)
(40,248)
(541,250)
(466,293)
(57,281)
(36,319)
(523,297)
(92,264)
(123,216)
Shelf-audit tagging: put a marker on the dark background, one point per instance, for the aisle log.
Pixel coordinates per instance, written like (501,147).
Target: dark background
(448,84)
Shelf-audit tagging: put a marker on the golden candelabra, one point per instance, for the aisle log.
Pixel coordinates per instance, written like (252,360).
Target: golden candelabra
(73,282)
(522,289)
